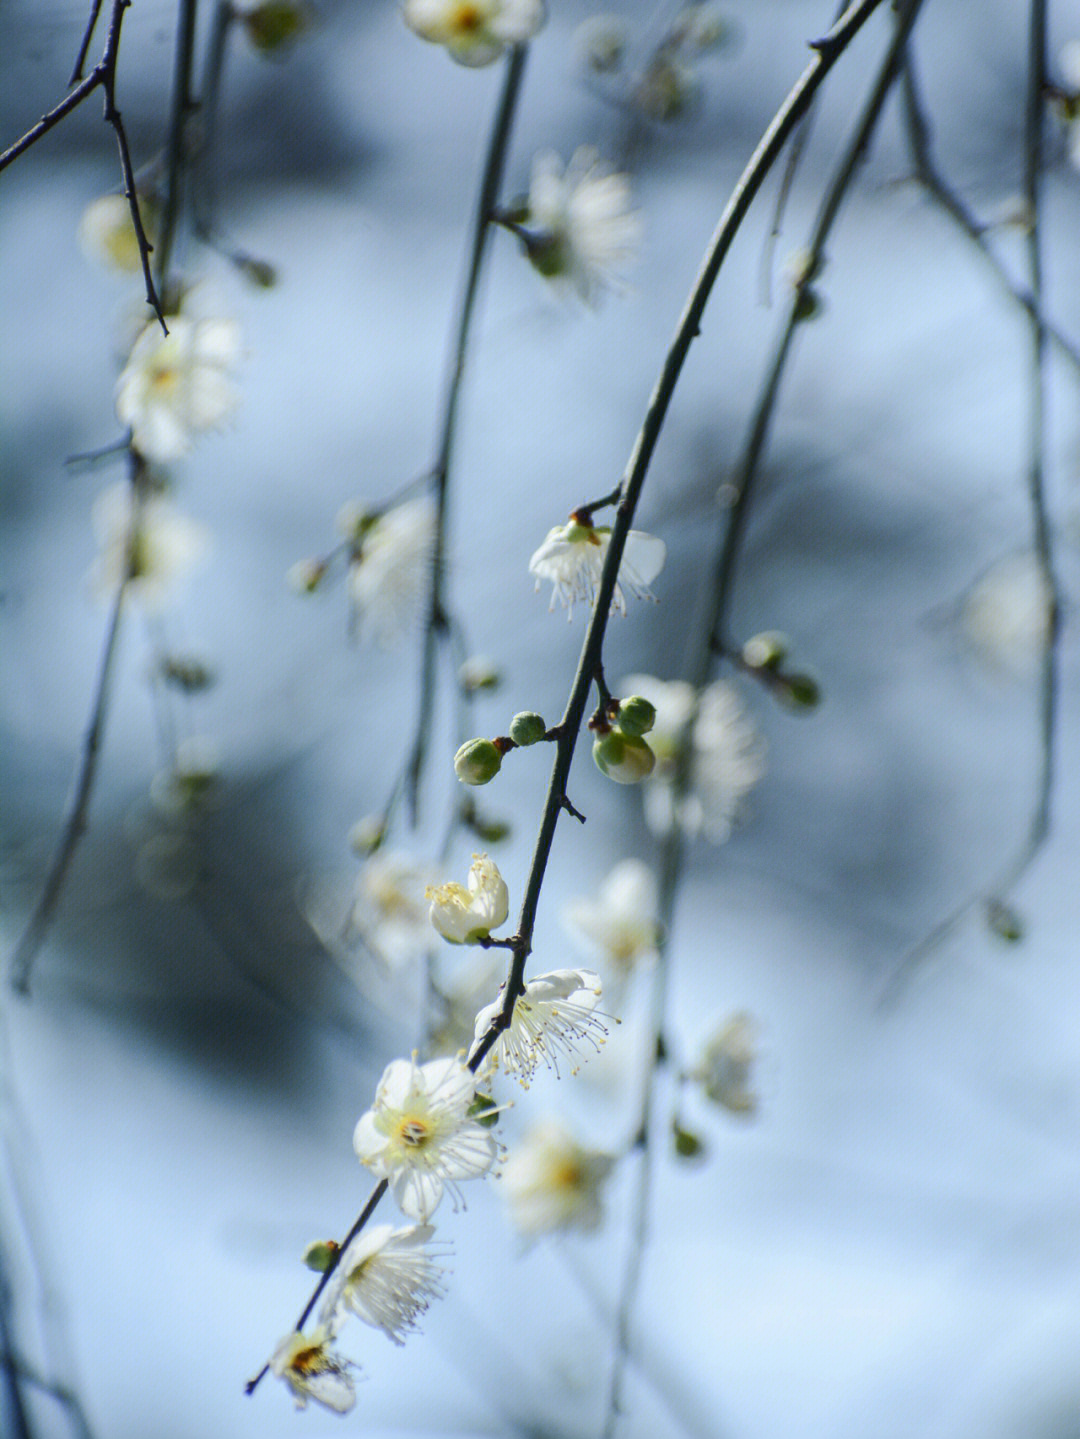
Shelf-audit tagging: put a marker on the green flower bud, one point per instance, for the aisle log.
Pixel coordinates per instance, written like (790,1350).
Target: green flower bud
(477,761)
(275,23)
(187,673)
(260,273)
(1004,921)
(808,304)
(527,728)
(483,1109)
(625,758)
(765,651)
(800,692)
(637,715)
(320,1255)
(687,1145)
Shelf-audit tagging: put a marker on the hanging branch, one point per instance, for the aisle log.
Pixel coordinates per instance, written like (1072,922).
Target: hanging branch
(182,106)
(945,196)
(673,849)
(994,895)
(827,51)
(103,75)
(437,627)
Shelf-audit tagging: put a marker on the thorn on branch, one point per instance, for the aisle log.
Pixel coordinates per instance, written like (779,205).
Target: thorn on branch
(565,803)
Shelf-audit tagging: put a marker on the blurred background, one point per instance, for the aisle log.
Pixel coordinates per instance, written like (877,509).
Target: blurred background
(891,1243)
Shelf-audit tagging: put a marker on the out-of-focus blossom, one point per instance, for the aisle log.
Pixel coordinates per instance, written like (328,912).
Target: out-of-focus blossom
(418,1134)
(552,1182)
(601,42)
(578,227)
(724,1070)
(175,386)
(107,231)
(312,1370)
(389,910)
(619,923)
(475,32)
(555,1018)
(386,1277)
(388,578)
(468,915)
(164,545)
(1005,616)
(572,558)
(727,760)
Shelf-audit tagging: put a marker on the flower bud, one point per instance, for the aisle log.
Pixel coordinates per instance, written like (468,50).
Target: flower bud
(527,728)
(478,673)
(687,1145)
(765,651)
(367,834)
(274,24)
(637,715)
(1004,921)
(800,692)
(306,576)
(320,1254)
(625,758)
(477,761)
(484,1110)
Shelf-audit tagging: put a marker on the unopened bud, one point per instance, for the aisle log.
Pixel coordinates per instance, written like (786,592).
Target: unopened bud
(765,651)
(320,1254)
(637,715)
(306,576)
(367,834)
(687,1145)
(527,728)
(625,758)
(800,692)
(274,24)
(478,673)
(477,761)
(483,1109)
(1004,921)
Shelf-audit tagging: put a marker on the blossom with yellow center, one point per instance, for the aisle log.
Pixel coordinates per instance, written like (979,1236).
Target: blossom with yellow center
(175,386)
(572,558)
(312,1370)
(475,32)
(551,1020)
(418,1135)
(552,1182)
(386,1277)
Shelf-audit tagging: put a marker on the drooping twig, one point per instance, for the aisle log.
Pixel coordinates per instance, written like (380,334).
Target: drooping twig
(993,894)
(673,847)
(827,51)
(181,108)
(436,628)
(75,825)
(84,47)
(103,75)
(930,176)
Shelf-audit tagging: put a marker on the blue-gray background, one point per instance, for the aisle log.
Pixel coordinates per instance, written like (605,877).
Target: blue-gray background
(892,1247)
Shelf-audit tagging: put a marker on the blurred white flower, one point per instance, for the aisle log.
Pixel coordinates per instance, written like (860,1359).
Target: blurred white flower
(385,1277)
(1005,615)
(476,976)
(418,1134)
(175,386)
(312,1370)
(618,922)
(579,228)
(107,232)
(474,32)
(552,1182)
(728,756)
(388,578)
(389,911)
(554,1018)
(601,42)
(726,1062)
(572,558)
(465,916)
(165,544)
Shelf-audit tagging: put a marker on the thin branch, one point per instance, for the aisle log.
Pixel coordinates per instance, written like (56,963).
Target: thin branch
(436,627)
(88,35)
(176,147)
(1042,532)
(945,196)
(75,825)
(103,74)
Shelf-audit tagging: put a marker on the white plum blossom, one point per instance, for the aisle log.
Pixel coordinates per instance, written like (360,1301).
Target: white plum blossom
(474,32)
(419,1135)
(389,909)
(107,232)
(386,1277)
(1005,615)
(728,756)
(578,228)
(572,558)
(553,1182)
(164,546)
(726,1063)
(468,915)
(175,386)
(554,1018)
(312,1370)
(388,577)
(619,923)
